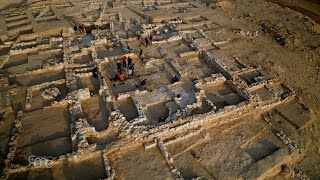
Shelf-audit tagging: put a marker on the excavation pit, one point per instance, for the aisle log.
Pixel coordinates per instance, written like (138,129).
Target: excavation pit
(90,82)
(15,60)
(179,46)
(127,108)
(106,51)
(44,132)
(83,59)
(222,95)
(96,113)
(195,67)
(38,77)
(89,168)
(255,77)
(157,113)
(264,93)
(39,100)
(150,164)
(210,107)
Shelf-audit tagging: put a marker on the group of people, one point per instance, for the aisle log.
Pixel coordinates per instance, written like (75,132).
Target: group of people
(148,40)
(127,63)
(79,29)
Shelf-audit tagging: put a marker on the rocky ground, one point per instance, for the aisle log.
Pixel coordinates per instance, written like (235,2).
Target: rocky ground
(290,47)
(281,36)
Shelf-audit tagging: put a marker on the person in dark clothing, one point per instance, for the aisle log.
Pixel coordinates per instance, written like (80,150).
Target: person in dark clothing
(75,28)
(143,82)
(129,48)
(129,61)
(116,77)
(140,52)
(95,71)
(150,39)
(83,29)
(131,67)
(147,41)
(119,66)
(80,28)
(175,78)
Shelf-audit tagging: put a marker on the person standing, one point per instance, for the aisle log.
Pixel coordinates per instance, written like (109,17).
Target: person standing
(147,41)
(75,28)
(124,61)
(131,67)
(95,71)
(80,29)
(143,83)
(129,61)
(130,72)
(150,39)
(141,55)
(122,78)
(119,66)
(83,29)
(140,52)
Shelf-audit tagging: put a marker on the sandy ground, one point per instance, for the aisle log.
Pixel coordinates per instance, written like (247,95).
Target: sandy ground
(306,7)
(8,4)
(294,60)
(298,63)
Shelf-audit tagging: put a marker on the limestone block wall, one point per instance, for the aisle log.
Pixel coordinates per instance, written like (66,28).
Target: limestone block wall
(57,67)
(175,64)
(71,81)
(141,115)
(261,84)
(14,138)
(21,44)
(29,50)
(169,160)
(4,59)
(217,64)
(47,84)
(79,127)
(202,119)
(110,172)
(5,100)
(242,92)
(188,53)
(28,101)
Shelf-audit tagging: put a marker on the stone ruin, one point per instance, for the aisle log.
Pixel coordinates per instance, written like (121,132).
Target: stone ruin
(58,108)
(50,93)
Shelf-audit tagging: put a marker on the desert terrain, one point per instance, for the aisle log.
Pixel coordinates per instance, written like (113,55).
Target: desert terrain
(220,90)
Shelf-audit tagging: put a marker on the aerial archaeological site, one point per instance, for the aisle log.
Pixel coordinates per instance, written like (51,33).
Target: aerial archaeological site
(159,89)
